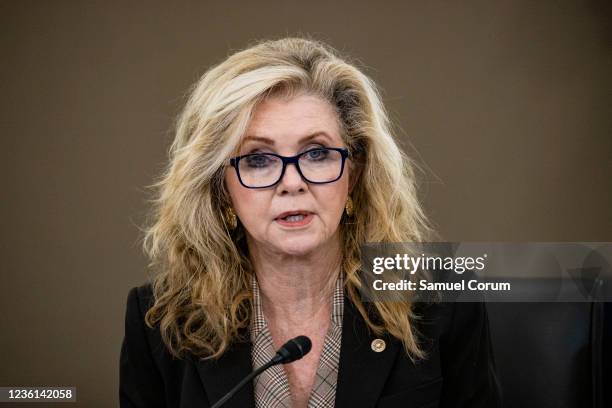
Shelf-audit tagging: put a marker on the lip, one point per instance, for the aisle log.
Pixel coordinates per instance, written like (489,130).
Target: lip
(308,216)
(294,212)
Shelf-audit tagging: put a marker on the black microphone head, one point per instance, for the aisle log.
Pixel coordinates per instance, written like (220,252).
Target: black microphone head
(294,349)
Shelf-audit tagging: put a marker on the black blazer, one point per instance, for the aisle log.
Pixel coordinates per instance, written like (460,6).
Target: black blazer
(459,371)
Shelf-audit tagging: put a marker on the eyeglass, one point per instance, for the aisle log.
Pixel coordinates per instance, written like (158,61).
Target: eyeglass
(318,166)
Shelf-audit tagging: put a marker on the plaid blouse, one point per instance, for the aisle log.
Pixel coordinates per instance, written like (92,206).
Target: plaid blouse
(272,386)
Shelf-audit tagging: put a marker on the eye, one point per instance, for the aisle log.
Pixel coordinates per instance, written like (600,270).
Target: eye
(317,154)
(258,160)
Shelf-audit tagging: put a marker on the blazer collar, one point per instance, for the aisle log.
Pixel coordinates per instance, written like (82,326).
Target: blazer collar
(361,376)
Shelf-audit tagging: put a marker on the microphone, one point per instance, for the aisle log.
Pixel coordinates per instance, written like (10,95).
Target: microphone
(291,351)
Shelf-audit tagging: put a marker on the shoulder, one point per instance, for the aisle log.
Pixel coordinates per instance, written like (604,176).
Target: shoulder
(141,339)
(445,315)
(137,333)
(140,299)
(149,375)
(463,342)
(449,322)
(452,315)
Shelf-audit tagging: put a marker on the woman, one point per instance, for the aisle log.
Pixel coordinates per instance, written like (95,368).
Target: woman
(282,166)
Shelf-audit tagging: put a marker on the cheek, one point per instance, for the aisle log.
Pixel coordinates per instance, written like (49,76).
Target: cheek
(333,201)
(251,206)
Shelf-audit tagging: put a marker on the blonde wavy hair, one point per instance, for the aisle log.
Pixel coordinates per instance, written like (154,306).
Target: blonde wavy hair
(202,271)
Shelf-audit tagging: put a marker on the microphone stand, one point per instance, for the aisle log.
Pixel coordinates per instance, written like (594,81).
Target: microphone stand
(292,350)
(246,379)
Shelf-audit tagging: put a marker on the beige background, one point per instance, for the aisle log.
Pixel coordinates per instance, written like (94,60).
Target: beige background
(506,106)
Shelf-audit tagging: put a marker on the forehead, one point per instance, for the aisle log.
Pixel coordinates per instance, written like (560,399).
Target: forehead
(285,119)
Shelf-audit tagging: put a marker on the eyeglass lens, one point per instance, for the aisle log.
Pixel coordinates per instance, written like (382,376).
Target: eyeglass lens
(317,166)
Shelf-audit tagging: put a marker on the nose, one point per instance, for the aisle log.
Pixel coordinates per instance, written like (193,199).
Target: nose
(292,182)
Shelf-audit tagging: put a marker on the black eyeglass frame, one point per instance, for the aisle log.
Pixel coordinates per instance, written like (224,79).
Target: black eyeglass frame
(344,153)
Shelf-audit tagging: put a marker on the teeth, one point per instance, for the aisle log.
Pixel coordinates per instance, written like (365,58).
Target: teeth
(293,218)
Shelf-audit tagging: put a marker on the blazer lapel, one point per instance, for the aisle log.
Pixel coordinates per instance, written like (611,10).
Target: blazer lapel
(363,371)
(220,376)
(361,375)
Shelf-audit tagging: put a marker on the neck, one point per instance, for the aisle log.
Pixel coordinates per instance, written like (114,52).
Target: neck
(296,289)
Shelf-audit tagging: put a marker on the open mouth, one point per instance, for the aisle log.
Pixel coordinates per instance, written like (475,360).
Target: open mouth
(294,219)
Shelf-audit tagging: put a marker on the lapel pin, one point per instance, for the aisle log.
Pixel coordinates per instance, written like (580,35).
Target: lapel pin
(378,345)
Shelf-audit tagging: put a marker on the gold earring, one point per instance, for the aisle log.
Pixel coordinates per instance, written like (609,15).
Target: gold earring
(348,207)
(230,218)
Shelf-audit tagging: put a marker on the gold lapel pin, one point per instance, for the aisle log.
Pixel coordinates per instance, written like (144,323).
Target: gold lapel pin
(378,345)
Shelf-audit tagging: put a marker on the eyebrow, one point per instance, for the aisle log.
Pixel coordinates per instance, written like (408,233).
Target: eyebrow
(271,142)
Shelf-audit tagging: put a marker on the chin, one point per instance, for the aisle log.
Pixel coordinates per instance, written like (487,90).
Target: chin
(298,246)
